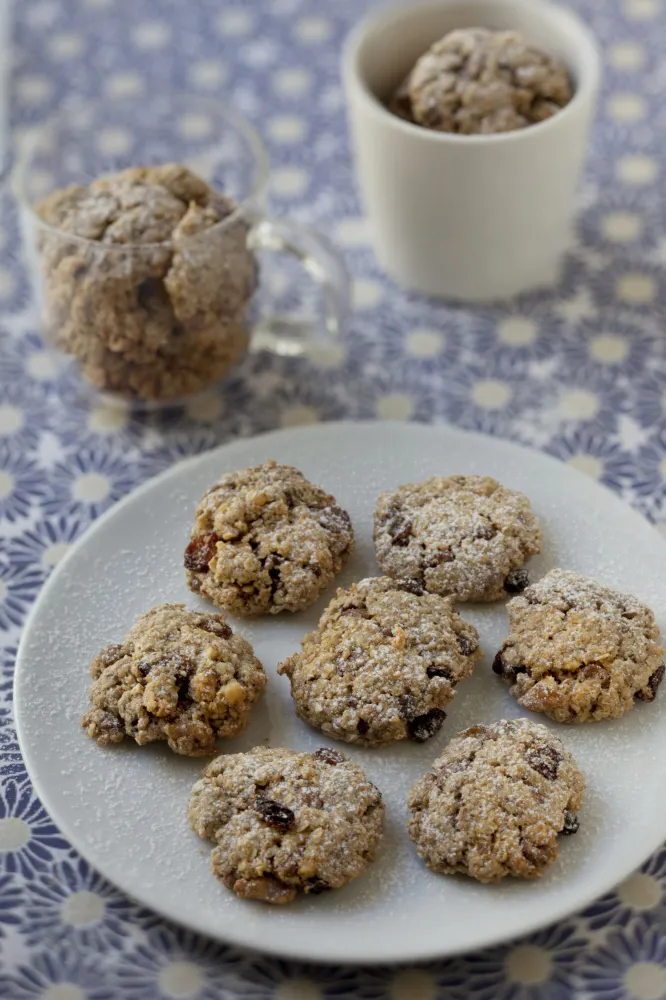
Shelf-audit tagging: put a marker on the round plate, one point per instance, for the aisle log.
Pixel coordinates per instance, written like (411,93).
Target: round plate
(124,808)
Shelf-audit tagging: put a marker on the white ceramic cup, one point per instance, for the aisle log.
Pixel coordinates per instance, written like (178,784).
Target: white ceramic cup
(470,218)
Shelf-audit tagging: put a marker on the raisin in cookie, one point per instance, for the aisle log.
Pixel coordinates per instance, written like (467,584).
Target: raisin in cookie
(479,81)
(382,664)
(495,802)
(465,536)
(284,821)
(578,651)
(180,676)
(266,540)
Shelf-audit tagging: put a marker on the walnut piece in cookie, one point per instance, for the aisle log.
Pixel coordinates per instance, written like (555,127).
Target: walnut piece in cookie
(578,651)
(464,536)
(284,821)
(266,540)
(476,81)
(495,801)
(178,675)
(145,253)
(382,664)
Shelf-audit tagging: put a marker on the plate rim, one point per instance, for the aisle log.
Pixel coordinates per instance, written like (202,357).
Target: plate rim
(323,956)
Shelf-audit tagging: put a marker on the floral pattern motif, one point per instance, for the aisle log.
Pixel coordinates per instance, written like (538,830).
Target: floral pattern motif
(643,893)
(72,903)
(10,901)
(173,960)
(542,967)
(21,483)
(42,546)
(18,589)
(630,965)
(11,761)
(63,972)
(7,660)
(29,838)
(579,372)
(87,482)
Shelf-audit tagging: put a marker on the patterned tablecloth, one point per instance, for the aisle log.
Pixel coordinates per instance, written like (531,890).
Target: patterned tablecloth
(580,373)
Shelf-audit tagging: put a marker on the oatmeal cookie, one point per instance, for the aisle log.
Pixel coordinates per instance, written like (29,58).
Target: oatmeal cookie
(172,378)
(266,540)
(284,821)
(464,536)
(578,651)
(142,252)
(479,81)
(382,664)
(180,676)
(495,802)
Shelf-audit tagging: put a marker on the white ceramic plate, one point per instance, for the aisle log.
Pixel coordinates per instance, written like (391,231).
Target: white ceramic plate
(125,808)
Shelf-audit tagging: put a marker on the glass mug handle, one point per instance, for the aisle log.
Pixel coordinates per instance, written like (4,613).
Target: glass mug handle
(304,289)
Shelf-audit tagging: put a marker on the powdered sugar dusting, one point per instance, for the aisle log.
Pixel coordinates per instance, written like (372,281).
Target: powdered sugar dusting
(178,675)
(266,540)
(460,535)
(125,807)
(382,664)
(496,801)
(579,651)
(285,821)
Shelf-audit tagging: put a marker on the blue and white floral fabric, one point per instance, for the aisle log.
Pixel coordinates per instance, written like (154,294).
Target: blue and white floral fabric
(580,373)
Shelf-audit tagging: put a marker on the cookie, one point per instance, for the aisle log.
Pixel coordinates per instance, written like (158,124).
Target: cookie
(161,261)
(209,358)
(464,536)
(382,664)
(180,676)
(578,651)
(495,802)
(284,821)
(476,81)
(266,540)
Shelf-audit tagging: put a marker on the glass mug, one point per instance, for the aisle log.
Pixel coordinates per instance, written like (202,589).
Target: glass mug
(158,322)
